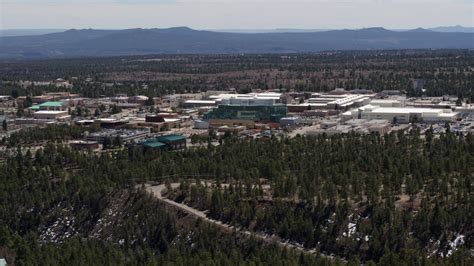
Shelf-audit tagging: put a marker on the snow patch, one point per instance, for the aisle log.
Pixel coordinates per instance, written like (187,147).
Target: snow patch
(351,229)
(458,241)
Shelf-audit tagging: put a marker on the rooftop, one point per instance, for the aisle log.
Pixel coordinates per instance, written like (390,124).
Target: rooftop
(384,101)
(201,101)
(47,104)
(171,120)
(264,95)
(52,104)
(290,118)
(171,138)
(408,110)
(50,112)
(153,144)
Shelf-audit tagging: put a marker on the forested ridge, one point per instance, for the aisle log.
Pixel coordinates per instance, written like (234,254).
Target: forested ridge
(394,199)
(364,195)
(54,213)
(443,71)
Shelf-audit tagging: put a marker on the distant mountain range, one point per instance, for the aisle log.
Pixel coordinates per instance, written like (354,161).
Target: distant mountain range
(453,29)
(457,28)
(27,32)
(183,40)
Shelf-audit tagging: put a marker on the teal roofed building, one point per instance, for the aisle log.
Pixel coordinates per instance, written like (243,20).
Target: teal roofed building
(174,142)
(49,106)
(154,145)
(171,138)
(166,142)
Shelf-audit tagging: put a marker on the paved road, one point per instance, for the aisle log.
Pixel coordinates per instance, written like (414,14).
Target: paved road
(158,189)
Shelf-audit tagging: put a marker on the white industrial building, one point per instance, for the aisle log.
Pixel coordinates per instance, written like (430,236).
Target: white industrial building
(5,98)
(198,103)
(361,126)
(51,114)
(331,101)
(387,103)
(465,109)
(251,99)
(401,114)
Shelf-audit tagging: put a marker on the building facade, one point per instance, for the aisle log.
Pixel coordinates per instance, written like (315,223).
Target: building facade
(402,115)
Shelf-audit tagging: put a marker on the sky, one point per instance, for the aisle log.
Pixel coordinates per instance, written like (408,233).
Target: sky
(234,14)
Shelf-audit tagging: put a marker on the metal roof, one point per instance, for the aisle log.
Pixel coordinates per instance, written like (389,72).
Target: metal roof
(51,112)
(52,104)
(171,138)
(153,144)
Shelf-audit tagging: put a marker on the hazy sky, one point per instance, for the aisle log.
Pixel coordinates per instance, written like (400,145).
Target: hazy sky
(234,14)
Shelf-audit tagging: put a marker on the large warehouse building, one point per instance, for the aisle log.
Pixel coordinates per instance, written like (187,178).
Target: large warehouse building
(169,142)
(331,102)
(46,114)
(255,107)
(265,98)
(342,102)
(401,114)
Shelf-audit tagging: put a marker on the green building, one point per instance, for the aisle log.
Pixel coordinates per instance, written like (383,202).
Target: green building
(52,106)
(154,145)
(166,142)
(174,142)
(257,113)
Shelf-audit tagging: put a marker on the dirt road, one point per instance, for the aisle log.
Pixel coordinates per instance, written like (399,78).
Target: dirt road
(157,192)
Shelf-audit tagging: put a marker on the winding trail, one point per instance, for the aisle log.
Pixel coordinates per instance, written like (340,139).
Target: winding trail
(157,190)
